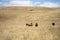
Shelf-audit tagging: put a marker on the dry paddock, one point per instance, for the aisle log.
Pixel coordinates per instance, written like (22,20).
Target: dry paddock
(19,23)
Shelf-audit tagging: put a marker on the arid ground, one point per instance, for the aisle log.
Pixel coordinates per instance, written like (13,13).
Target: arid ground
(29,23)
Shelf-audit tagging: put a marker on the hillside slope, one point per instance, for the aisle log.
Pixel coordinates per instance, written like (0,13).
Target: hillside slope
(19,23)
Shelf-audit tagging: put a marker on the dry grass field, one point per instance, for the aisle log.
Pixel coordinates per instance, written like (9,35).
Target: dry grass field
(29,23)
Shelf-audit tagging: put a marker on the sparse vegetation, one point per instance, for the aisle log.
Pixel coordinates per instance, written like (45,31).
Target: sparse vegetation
(13,23)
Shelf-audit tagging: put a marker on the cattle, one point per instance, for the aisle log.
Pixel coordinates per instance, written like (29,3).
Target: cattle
(29,24)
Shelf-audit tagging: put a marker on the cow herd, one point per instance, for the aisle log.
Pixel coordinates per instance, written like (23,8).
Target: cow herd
(31,24)
(36,24)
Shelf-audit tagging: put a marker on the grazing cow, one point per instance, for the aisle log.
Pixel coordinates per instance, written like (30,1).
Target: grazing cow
(29,24)
(53,24)
(36,24)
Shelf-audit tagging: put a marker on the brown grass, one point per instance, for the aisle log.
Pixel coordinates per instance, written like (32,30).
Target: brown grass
(13,23)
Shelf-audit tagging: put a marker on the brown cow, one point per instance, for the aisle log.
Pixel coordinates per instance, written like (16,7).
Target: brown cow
(29,24)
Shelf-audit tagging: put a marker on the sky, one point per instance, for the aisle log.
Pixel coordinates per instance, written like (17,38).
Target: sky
(39,3)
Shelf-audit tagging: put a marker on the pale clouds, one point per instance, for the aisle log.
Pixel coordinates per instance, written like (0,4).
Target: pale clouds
(37,3)
(0,2)
(19,3)
(50,4)
(30,3)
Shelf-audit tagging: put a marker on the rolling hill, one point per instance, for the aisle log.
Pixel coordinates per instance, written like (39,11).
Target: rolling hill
(29,23)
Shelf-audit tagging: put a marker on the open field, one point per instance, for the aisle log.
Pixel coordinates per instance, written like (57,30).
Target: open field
(13,22)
